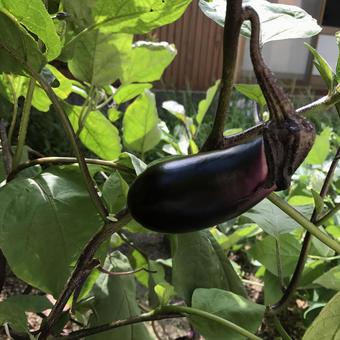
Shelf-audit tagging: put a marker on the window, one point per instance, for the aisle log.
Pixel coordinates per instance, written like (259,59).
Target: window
(331,16)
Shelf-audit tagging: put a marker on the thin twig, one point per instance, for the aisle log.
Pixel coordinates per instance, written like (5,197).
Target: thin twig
(322,220)
(130,272)
(232,26)
(67,160)
(293,284)
(82,265)
(5,147)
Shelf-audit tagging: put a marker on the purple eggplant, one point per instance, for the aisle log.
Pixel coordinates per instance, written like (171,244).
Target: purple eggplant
(200,191)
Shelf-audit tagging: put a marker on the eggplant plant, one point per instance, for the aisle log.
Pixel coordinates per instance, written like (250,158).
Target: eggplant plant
(74,224)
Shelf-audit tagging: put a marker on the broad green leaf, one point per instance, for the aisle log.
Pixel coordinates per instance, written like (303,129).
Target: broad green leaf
(278,22)
(272,288)
(35,18)
(128,16)
(320,149)
(204,104)
(131,161)
(45,222)
(272,219)
(18,50)
(12,310)
(199,262)
(130,91)
(330,279)
(252,91)
(312,270)
(176,109)
(323,67)
(229,306)
(264,251)
(99,135)
(140,124)
(115,191)
(326,325)
(115,299)
(147,61)
(99,58)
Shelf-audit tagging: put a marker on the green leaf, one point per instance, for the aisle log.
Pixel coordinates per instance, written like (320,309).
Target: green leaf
(272,288)
(272,219)
(113,114)
(140,124)
(326,325)
(17,48)
(229,306)
(323,67)
(49,219)
(301,200)
(35,18)
(278,22)
(204,104)
(253,92)
(264,251)
(129,16)
(115,299)
(130,91)
(99,135)
(131,161)
(330,279)
(95,53)
(318,202)
(320,149)
(165,291)
(115,191)
(12,310)
(199,262)
(147,61)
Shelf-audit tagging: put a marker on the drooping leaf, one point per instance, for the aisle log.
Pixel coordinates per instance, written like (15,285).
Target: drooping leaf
(252,91)
(323,67)
(272,219)
(12,310)
(326,325)
(320,149)
(204,104)
(45,222)
(264,251)
(99,135)
(199,262)
(130,91)
(115,299)
(35,18)
(278,21)
(99,58)
(140,124)
(18,50)
(229,306)
(147,61)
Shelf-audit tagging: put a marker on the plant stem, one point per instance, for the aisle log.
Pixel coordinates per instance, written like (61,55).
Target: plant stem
(67,160)
(163,312)
(83,262)
(280,329)
(293,284)
(232,26)
(15,109)
(86,109)
(304,222)
(328,215)
(24,123)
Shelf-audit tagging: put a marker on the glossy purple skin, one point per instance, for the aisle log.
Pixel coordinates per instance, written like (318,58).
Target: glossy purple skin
(200,191)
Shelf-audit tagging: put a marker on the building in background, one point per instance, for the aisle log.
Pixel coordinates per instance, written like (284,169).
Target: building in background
(199,43)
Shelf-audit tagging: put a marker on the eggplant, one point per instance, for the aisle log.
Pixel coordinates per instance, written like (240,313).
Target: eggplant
(200,191)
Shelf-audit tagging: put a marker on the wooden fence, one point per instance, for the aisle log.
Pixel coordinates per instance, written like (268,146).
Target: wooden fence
(199,43)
